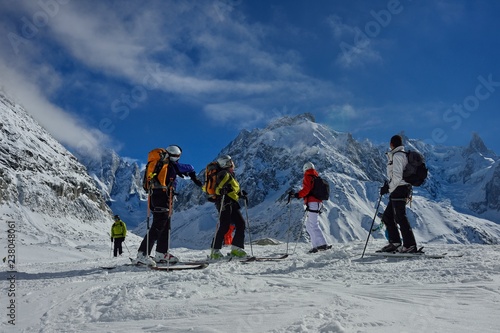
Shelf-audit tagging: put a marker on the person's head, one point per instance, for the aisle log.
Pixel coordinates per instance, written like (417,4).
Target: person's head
(116,218)
(308,166)
(396,141)
(174,152)
(225,162)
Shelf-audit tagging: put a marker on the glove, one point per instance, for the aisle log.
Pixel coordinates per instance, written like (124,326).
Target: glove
(195,180)
(243,195)
(111,239)
(224,191)
(296,196)
(384,189)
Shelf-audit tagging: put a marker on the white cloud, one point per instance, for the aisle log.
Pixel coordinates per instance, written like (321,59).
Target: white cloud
(237,114)
(66,128)
(356,48)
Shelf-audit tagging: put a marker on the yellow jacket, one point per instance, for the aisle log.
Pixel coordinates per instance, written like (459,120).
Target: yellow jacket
(226,180)
(118,229)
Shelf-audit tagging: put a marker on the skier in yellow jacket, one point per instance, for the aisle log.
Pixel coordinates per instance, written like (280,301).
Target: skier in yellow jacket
(118,234)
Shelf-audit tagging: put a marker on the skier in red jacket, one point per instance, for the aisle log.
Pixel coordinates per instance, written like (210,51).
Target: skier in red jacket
(313,207)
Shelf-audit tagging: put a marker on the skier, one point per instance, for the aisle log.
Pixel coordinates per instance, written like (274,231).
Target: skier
(313,207)
(400,192)
(159,205)
(118,234)
(227,195)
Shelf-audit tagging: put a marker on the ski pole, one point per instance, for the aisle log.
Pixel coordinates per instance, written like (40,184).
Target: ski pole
(289,219)
(127,249)
(218,224)
(147,220)
(111,249)
(373,221)
(248,224)
(300,232)
(169,221)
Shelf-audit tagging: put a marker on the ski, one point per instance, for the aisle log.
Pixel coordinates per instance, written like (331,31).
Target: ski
(179,266)
(410,255)
(164,266)
(251,259)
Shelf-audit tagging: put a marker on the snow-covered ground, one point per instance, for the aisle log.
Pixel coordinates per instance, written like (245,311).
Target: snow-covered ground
(58,290)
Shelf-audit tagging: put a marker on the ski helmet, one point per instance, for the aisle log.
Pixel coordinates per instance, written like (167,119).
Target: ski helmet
(308,166)
(174,152)
(225,161)
(116,217)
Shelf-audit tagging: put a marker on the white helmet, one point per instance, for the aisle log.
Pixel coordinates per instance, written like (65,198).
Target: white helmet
(308,166)
(174,152)
(225,161)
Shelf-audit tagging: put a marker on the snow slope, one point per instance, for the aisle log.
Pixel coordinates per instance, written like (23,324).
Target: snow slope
(333,291)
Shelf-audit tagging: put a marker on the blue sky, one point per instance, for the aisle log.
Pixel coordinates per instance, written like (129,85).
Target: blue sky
(134,75)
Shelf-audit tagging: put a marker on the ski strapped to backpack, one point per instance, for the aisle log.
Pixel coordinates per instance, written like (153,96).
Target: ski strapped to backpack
(155,175)
(320,189)
(415,172)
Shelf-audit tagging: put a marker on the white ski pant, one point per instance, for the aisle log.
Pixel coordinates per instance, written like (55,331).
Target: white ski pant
(312,225)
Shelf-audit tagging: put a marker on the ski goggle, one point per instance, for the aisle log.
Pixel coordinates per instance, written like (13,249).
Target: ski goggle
(174,157)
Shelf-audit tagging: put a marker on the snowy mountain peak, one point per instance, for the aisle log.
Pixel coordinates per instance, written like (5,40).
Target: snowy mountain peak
(476,145)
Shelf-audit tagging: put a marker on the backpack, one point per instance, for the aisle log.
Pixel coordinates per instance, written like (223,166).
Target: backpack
(415,172)
(321,189)
(211,171)
(155,175)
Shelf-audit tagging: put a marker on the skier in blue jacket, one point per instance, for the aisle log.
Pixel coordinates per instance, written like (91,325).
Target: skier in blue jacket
(159,205)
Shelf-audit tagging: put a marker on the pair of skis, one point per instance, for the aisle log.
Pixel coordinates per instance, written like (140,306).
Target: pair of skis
(418,254)
(189,265)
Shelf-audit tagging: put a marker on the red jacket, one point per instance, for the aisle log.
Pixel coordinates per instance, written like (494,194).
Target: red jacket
(307,185)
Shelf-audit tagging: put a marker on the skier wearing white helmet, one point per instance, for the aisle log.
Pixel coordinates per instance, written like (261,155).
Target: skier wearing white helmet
(228,193)
(159,205)
(313,207)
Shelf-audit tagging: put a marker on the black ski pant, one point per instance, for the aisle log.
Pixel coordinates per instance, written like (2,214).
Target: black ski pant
(117,249)
(395,214)
(159,231)
(230,214)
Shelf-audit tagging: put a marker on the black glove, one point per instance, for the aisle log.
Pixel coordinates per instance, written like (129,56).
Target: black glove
(111,239)
(195,180)
(224,191)
(243,195)
(384,189)
(296,196)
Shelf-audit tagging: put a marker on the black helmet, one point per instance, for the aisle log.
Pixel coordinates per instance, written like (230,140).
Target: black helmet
(116,217)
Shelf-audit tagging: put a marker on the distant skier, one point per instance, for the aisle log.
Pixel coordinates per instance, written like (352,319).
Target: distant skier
(118,234)
(159,204)
(313,207)
(400,192)
(228,193)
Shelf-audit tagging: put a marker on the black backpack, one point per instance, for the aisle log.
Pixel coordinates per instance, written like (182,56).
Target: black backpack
(321,189)
(415,172)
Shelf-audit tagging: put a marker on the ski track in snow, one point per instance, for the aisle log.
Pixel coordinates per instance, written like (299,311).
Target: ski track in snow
(333,291)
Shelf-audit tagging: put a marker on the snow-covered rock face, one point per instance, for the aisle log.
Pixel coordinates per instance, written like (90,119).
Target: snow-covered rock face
(119,180)
(38,176)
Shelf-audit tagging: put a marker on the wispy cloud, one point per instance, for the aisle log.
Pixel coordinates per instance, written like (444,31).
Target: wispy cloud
(356,49)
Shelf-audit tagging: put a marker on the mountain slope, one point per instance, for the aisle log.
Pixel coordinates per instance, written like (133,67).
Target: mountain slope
(44,190)
(453,205)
